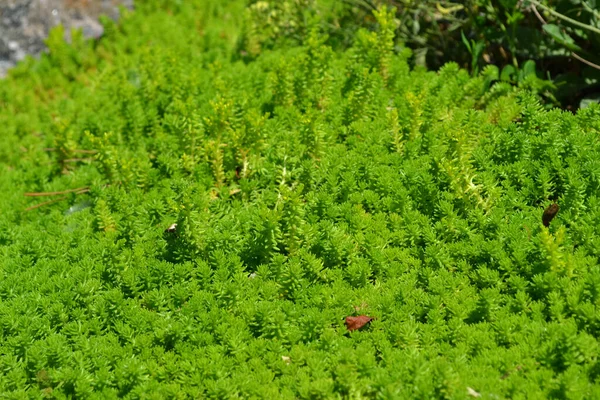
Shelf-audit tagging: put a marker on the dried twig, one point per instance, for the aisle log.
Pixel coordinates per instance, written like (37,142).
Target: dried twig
(74,151)
(76,191)
(45,203)
(583,60)
(39,194)
(85,151)
(78,159)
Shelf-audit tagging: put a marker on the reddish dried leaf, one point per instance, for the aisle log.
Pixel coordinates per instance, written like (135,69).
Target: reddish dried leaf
(354,323)
(549,214)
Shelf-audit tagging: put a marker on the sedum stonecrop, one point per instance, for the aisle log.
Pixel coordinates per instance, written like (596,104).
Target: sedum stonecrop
(307,184)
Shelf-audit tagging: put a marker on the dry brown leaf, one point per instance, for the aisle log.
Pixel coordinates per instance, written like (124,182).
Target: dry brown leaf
(354,323)
(549,214)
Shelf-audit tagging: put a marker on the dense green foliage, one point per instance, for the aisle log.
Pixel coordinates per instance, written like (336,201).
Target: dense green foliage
(560,37)
(556,41)
(307,184)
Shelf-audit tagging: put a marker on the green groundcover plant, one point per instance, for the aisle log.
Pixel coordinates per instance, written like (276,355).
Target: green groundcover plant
(178,220)
(556,41)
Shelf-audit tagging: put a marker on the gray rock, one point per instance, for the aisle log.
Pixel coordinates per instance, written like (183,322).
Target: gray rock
(24,24)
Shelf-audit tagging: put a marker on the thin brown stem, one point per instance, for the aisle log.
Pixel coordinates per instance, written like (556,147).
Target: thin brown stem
(538,15)
(83,151)
(78,159)
(39,194)
(82,190)
(583,60)
(45,203)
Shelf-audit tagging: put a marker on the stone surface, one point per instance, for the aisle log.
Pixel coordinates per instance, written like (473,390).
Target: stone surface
(24,24)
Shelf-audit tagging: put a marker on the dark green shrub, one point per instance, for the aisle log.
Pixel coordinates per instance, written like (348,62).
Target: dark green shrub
(550,47)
